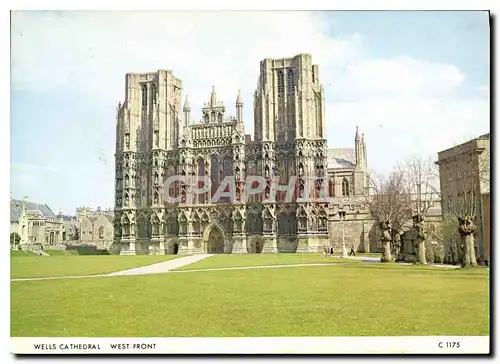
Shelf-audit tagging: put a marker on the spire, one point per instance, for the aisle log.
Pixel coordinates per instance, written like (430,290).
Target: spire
(239,100)
(187,106)
(213,97)
(357,134)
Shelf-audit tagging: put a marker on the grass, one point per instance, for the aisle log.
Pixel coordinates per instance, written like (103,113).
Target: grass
(373,255)
(21,253)
(358,299)
(75,265)
(248,260)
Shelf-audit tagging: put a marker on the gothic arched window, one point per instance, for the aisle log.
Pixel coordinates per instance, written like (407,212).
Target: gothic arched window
(144,94)
(345,187)
(214,173)
(201,172)
(153,93)
(281,83)
(331,188)
(289,82)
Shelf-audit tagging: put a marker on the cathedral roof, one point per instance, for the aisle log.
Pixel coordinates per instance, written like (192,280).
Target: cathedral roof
(341,158)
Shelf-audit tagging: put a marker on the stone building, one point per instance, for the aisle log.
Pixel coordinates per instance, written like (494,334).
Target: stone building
(89,227)
(156,139)
(464,173)
(35,223)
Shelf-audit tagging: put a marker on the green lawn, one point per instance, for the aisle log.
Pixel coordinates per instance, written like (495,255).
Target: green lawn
(71,265)
(355,299)
(249,260)
(21,253)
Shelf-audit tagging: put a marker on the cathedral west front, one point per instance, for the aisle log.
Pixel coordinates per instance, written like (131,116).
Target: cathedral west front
(157,141)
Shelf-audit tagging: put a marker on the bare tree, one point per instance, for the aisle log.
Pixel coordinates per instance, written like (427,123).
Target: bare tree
(389,204)
(421,180)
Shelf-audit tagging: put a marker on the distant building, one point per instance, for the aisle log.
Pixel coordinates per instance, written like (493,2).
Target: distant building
(35,223)
(464,173)
(89,227)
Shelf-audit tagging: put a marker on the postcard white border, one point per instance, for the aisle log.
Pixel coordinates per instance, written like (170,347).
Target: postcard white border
(256,345)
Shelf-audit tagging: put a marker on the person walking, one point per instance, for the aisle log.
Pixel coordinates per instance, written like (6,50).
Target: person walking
(352,252)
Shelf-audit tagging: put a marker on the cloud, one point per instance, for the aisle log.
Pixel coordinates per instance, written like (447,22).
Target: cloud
(396,77)
(403,105)
(92,52)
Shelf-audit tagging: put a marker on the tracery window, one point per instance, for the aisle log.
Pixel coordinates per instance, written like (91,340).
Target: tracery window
(153,93)
(281,83)
(144,94)
(345,187)
(289,82)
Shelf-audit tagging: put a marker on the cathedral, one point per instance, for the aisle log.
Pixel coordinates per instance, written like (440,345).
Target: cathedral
(157,140)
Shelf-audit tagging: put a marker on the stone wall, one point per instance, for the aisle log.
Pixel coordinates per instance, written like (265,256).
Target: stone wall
(360,234)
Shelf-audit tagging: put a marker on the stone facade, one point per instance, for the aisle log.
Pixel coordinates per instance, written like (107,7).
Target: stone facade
(35,223)
(89,227)
(156,139)
(464,173)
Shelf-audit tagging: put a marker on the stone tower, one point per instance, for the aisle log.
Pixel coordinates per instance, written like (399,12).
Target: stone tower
(289,126)
(148,126)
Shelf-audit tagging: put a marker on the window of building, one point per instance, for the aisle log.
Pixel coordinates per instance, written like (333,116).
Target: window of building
(214,174)
(144,94)
(289,82)
(154,93)
(345,187)
(313,75)
(201,172)
(331,188)
(101,232)
(281,83)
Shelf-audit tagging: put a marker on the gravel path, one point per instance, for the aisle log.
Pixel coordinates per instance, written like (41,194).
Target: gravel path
(162,267)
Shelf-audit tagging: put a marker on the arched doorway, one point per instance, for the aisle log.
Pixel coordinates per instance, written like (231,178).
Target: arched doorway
(214,240)
(259,245)
(255,245)
(176,248)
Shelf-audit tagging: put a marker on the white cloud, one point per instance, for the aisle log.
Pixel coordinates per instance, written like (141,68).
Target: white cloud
(399,76)
(402,104)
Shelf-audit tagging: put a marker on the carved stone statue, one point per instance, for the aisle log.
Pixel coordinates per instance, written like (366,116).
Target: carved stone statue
(301,170)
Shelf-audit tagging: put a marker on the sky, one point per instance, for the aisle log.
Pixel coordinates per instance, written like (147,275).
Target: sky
(415,83)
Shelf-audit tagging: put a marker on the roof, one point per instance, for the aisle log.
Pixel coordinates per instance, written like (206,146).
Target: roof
(110,218)
(16,205)
(341,158)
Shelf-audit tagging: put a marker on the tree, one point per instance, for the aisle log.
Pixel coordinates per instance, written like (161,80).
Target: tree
(447,234)
(15,238)
(422,183)
(390,205)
